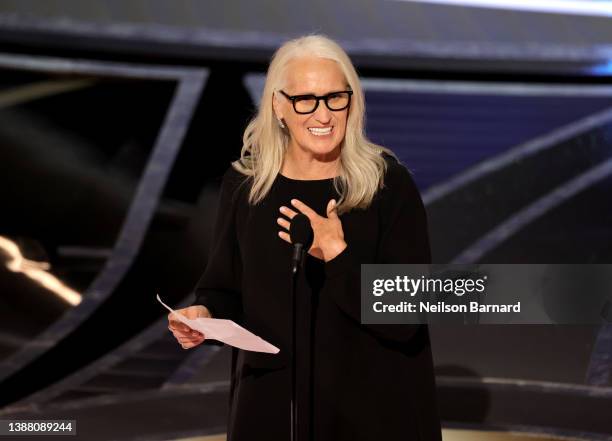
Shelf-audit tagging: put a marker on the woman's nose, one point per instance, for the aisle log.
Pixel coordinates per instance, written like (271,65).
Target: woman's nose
(322,114)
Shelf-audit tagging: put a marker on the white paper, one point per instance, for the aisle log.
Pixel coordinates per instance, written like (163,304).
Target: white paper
(225,331)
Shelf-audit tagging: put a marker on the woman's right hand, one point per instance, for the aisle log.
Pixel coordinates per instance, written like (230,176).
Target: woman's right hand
(187,337)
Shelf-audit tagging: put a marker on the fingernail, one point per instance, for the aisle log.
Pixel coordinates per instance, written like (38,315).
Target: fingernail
(333,202)
(293,201)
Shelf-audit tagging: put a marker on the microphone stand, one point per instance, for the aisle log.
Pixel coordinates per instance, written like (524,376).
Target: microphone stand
(294,276)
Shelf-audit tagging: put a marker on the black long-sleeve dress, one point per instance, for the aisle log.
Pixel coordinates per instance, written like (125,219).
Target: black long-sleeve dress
(354,381)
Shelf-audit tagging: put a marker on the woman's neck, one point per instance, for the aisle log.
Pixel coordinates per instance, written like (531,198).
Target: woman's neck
(304,165)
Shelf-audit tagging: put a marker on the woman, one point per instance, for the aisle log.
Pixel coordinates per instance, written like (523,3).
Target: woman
(305,152)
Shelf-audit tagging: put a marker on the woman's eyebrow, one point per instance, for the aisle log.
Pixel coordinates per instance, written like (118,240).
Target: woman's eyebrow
(326,93)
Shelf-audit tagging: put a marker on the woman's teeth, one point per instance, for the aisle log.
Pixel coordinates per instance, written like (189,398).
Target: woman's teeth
(320,131)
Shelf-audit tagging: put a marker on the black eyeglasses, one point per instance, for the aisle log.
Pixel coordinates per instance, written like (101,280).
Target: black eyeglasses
(334,101)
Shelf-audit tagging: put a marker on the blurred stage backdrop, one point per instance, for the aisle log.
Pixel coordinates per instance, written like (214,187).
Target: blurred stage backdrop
(119,117)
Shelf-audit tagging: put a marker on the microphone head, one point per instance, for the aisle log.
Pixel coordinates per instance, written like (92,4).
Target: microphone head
(300,231)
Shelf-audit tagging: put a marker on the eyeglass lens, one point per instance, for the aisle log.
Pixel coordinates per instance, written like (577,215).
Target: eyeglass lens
(334,101)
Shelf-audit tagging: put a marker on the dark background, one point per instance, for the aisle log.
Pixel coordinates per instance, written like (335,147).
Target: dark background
(118,119)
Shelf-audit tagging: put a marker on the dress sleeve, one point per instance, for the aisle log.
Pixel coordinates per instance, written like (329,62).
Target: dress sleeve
(219,287)
(403,239)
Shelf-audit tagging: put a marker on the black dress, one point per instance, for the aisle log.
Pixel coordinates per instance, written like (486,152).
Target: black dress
(355,382)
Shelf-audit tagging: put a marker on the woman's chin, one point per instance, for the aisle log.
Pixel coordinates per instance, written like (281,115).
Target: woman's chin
(322,148)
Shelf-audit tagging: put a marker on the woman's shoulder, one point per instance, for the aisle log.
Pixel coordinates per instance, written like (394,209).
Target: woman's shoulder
(397,176)
(233,177)
(232,181)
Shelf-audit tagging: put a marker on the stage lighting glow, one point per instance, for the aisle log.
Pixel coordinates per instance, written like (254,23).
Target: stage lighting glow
(584,7)
(604,68)
(37,271)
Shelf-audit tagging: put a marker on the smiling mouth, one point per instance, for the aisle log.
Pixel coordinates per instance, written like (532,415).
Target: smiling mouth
(318,131)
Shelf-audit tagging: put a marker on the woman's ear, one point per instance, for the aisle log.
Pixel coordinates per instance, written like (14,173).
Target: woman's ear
(276,107)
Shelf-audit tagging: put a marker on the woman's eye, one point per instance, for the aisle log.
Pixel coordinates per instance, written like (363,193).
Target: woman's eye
(304,98)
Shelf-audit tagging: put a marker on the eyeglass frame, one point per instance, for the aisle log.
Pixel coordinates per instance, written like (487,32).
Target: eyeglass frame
(292,98)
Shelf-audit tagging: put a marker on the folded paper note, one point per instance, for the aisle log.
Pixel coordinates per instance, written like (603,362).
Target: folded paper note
(225,331)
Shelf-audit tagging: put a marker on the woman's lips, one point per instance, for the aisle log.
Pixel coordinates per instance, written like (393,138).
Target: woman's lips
(321,131)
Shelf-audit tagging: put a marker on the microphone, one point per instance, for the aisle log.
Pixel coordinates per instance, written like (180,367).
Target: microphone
(301,236)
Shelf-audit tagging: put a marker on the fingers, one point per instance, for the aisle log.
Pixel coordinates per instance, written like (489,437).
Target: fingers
(194,340)
(283,223)
(184,331)
(186,336)
(190,343)
(187,339)
(287,212)
(311,214)
(190,312)
(174,324)
(284,236)
(332,209)
(305,209)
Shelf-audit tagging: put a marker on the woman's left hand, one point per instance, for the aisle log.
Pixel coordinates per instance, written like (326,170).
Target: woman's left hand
(328,240)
